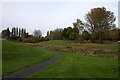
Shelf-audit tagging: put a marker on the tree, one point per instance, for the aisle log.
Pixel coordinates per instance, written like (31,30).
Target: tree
(19,32)
(114,34)
(99,20)
(75,32)
(22,33)
(26,35)
(16,31)
(80,25)
(6,33)
(56,34)
(47,33)
(68,33)
(86,35)
(37,33)
(64,34)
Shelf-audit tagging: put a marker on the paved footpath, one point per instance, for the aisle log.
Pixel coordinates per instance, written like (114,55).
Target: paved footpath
(35,68)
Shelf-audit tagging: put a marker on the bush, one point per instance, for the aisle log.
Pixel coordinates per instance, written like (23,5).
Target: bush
(14,37)
(98,41)
(37,39)
(28,40)
(79,39)
(45,39)
(19,39)
(88,41)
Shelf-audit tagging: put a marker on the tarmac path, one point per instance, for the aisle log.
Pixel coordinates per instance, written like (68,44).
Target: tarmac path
(27,72)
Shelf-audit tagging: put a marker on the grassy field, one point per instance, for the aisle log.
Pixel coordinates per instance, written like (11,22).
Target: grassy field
(17,56)
(62,43)
(80,66)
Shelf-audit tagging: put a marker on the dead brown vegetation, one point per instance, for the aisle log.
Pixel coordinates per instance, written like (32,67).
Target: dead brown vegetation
(84,51)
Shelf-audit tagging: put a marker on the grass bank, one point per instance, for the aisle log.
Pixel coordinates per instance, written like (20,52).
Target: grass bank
(16,56)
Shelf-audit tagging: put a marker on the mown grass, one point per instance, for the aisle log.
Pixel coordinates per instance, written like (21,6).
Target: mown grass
(63,43)
(80,66)
(17,56)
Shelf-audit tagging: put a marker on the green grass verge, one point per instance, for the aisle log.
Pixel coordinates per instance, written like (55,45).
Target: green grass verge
(62,43)
(80,66)
(17,56)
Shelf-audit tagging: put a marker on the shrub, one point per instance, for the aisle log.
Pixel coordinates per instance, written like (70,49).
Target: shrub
(98,41)
(19,39)
(28,40)
(45,39)
(14,37)
(86,41)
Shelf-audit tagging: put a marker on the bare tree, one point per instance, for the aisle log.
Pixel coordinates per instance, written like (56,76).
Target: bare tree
(56,34)
(37,33)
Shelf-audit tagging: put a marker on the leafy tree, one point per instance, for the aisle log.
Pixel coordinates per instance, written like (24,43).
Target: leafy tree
(114,34)
(68,33)
(99,20)
(6,33)
(75,32)
(71,33)
(86,35)
(80,25)
(65,36)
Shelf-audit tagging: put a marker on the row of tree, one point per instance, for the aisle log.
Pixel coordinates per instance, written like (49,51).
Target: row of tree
(20,34)
(99,26)
(75,34)
(14,34)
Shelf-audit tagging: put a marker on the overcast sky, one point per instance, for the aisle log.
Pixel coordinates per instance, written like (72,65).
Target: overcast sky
(48,15)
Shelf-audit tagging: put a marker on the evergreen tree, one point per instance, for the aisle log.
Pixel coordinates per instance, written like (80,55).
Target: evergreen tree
(19,32)
(47,33)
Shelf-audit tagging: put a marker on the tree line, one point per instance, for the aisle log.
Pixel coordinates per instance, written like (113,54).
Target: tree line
(99,27)
(20,34)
